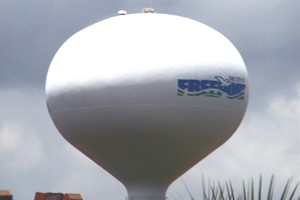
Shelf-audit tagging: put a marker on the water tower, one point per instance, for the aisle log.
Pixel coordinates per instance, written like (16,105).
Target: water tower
(147,96)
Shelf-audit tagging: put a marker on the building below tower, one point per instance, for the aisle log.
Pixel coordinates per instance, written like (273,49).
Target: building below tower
(5,195)
(56,196)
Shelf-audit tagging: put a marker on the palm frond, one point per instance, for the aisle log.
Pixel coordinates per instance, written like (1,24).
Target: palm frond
(217,191)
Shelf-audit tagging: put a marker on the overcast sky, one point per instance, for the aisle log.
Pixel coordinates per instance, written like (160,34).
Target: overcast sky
(35,157)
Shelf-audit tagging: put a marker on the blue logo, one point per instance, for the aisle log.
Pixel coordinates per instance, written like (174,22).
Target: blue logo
(231,87)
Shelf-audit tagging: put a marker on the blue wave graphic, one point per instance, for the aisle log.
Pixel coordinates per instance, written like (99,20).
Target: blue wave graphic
(231,87)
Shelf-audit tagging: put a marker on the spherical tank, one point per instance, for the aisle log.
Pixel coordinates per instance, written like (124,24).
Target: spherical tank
(147,96)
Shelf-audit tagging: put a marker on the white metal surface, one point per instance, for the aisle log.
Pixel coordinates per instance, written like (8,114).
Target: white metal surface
(125,92)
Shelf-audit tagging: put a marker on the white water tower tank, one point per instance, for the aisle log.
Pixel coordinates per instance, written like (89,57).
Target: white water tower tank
(147,96)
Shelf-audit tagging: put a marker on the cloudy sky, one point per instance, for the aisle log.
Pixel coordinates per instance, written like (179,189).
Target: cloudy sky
(35,157)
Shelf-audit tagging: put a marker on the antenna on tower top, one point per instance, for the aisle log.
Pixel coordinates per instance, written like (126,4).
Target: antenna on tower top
(149,9)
